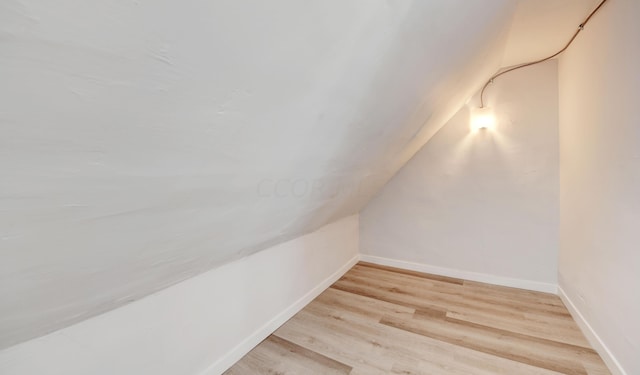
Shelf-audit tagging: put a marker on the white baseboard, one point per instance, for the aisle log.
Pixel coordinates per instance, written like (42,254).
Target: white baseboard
(250,342)
(592,336)
(467,275)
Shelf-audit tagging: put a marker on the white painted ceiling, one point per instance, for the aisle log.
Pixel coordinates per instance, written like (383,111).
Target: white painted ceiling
(542,27)
(143,142)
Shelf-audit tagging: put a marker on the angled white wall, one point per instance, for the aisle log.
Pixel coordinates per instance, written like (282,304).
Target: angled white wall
(599,266)
(200,326)
(145,142)
(479,205)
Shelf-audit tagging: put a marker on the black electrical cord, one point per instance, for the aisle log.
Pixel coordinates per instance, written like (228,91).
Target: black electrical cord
(580,28)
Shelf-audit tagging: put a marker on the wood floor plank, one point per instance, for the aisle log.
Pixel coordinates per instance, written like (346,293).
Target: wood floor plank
(348,344)
(378,320)
(556,357)
(503,315)
(388,346)
(514,294)
(458,293)
(366,308)
(559,327)
(276,355)
(502,292)
(495,295)
(555,331)
(423,275)
(412,296)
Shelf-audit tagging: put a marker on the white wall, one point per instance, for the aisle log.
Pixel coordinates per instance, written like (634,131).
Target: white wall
(599,265)
(145,142)
(480,203)
(202,325)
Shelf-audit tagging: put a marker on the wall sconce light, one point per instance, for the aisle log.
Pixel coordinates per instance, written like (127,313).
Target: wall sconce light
(482,119)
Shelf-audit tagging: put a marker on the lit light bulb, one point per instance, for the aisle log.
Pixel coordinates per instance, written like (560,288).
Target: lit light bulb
(482,118)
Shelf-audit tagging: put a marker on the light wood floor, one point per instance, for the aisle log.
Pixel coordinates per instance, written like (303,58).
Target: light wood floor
(381,320)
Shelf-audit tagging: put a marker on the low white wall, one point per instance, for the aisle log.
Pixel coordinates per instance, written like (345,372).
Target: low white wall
(202,325)
(481,205)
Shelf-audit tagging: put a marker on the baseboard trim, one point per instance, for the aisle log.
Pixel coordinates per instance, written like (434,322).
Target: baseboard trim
(591,335)
(235,354)
(467,275)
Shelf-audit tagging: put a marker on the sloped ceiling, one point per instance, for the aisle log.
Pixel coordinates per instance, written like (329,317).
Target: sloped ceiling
(541,28)
(144,142)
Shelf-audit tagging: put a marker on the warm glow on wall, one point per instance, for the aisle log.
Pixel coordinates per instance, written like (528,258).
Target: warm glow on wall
(482,118)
